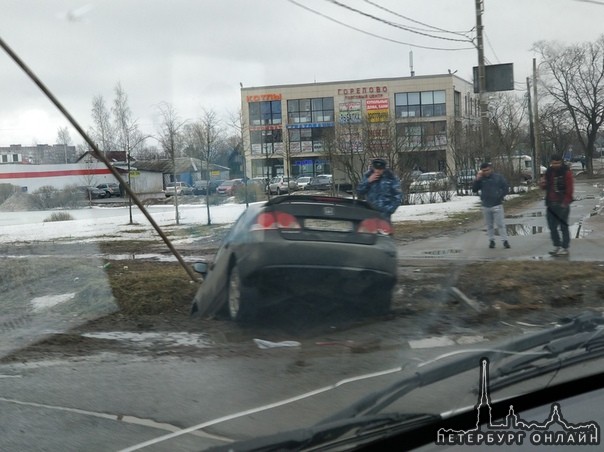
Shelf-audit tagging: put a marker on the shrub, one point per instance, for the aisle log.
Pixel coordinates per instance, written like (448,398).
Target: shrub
(6,191)
(254,193)
(59,216)
(49,197)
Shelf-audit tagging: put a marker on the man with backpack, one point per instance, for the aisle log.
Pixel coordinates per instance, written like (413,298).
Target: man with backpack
(558,185)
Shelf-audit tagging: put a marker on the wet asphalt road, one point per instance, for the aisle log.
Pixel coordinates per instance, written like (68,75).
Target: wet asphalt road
(111,401)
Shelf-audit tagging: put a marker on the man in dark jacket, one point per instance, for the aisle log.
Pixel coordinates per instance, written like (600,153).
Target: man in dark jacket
(381,188)
(493,189)
(558,185)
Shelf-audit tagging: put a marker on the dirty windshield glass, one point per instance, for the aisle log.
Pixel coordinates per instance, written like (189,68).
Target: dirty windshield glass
(300,224)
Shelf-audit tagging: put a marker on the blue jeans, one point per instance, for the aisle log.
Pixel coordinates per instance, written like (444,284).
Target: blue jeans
(557,217)
(494,217)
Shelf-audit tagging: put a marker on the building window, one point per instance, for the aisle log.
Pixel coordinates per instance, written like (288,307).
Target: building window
(309,139)
(266,141)
(420,104)
(457,103)
(4,158)
(265,113)
(300,111)
(426,134)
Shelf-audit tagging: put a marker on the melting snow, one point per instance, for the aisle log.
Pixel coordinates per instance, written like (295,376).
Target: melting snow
(48,301)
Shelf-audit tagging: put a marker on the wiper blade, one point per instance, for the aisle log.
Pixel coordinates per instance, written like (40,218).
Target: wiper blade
(558,354)
(440,370)
(357,431)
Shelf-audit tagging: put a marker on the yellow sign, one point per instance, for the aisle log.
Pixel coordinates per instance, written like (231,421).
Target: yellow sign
(135,173)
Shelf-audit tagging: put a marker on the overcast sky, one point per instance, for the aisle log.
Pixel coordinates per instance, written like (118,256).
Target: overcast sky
(194,54)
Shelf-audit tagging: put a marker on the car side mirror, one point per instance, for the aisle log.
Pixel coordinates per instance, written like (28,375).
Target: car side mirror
(201,267)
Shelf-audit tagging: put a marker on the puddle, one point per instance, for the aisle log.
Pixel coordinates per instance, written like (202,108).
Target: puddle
(151,339)
(527,215)
(442,252)
(148,256)
(523,229)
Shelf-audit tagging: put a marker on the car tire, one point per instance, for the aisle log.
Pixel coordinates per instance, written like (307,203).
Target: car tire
(238,308)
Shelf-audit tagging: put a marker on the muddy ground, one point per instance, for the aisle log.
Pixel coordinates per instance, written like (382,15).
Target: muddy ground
(432,298)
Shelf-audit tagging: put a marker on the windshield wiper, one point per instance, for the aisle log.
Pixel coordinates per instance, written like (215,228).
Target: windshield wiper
(361,428)
(558,354)
(586,322)
(362,421)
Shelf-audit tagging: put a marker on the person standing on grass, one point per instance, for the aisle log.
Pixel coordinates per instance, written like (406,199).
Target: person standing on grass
(493,189)
(381,188)
(558,185)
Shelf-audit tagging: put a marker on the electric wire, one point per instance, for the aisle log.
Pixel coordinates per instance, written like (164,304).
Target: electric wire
(431,28)
(325,16)
(395,25)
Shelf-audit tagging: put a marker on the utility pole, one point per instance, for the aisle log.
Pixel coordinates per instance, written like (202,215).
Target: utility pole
(531,129)
(482,82)
(208,144)
(537,126)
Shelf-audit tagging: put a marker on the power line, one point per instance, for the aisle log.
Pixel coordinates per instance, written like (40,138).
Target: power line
(432,28)
(373,34)
(490,46)
(392,24)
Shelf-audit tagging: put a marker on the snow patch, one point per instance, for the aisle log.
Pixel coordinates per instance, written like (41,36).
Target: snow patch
(48,301)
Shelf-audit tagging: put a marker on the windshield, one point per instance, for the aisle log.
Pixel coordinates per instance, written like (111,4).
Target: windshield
(300,205)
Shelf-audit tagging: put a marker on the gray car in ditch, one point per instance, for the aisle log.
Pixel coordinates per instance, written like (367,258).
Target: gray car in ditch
(303,247)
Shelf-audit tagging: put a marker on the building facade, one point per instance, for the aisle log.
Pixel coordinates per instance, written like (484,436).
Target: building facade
(40,154)
(294,129)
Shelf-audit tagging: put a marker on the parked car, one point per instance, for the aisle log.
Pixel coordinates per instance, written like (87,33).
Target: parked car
(320,182)
(465,178)
(201,186)
(91,192)
(258,183)
(229,187)
(281,184)
(110,189)
(298,248)
(432,181)
(180,188)
(302,182)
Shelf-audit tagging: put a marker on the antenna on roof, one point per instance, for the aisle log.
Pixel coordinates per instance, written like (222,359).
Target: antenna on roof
(411,63)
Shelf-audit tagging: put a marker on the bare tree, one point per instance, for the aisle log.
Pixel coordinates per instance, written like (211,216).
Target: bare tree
(557,131)
(102,130)
(508,124)
(203,139)
(574,77)
(344,150)
(171,140)
(128,135)
(64,138)
(507,121)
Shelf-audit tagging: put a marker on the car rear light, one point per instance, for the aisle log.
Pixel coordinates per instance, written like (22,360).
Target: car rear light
(275,220)
(375,226)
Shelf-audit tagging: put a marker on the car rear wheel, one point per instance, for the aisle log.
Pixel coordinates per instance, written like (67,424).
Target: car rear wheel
(239,310)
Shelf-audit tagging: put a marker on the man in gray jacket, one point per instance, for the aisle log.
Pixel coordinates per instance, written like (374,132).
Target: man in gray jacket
(493,189)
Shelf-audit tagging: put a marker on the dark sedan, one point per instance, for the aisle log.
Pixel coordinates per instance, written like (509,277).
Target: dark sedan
(201,187)
(302,247)
(320,182)
(91,192)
